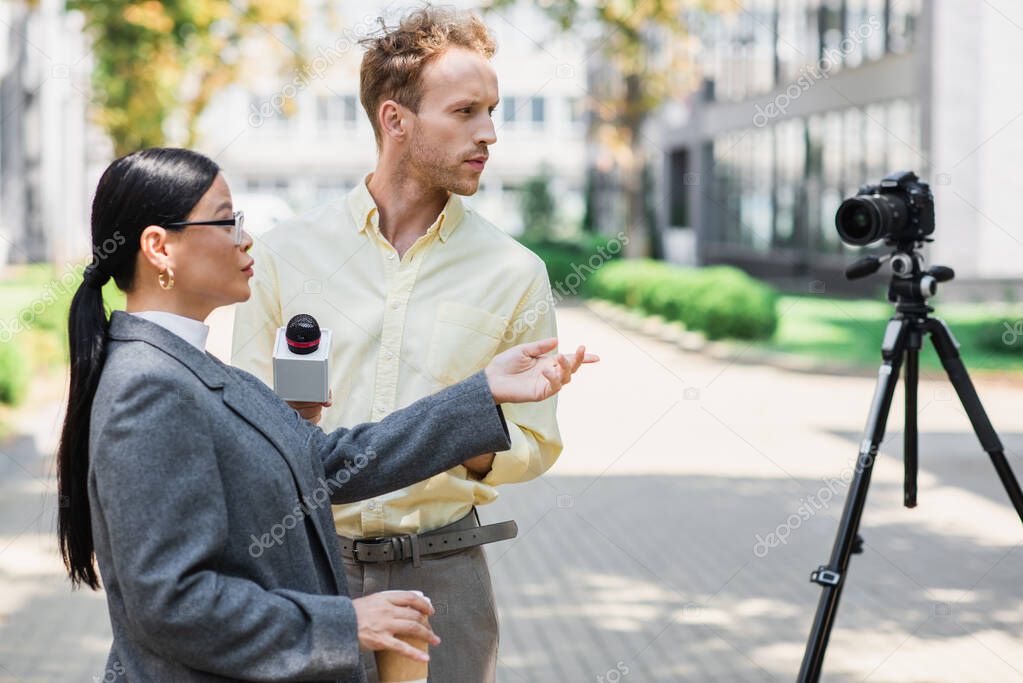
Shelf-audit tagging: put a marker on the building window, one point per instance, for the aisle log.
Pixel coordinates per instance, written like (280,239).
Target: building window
(271,112)
(336,110)
(510,107)
(790,157)
(680,180)
(536,111)
(576,111)
(873,44)
(830,28)
(902,25)
(277,187)
(329,189)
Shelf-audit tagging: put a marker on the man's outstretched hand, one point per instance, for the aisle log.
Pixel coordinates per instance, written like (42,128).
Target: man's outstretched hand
(523,374)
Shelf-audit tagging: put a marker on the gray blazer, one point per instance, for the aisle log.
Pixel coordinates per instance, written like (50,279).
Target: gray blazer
(210,503)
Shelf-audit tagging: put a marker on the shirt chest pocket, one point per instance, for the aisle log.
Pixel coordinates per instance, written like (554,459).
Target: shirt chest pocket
(464,340)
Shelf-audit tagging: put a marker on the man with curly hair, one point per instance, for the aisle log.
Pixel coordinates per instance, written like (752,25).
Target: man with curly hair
(419,292)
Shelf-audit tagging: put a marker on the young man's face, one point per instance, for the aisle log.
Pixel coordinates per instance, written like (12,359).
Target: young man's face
(449,136)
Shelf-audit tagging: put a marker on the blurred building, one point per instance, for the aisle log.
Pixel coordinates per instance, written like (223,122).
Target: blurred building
(304,137)
(47,165)
(805,100)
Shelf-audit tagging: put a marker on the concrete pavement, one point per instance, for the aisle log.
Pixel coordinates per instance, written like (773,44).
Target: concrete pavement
(674,538)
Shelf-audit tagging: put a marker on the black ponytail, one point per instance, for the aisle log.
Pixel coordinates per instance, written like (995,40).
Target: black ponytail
(148,187)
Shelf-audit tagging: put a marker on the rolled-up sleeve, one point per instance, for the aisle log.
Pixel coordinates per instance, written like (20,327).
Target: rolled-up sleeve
(533,427)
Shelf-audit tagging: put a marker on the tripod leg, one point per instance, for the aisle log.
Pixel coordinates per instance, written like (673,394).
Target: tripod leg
(831,577)
(909,436)
(948,350)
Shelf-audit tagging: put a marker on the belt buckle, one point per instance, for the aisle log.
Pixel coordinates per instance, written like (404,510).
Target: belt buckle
(403,547)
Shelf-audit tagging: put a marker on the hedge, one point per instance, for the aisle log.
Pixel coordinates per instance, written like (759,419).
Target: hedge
(720,301)
(566,259)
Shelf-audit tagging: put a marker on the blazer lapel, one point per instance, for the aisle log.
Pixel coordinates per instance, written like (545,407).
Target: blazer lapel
(251,407)
(248,405)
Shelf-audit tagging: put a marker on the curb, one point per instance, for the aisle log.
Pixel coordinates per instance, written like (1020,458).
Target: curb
(745,353)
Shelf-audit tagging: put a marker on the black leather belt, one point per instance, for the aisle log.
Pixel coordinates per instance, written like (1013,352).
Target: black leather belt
(414,546)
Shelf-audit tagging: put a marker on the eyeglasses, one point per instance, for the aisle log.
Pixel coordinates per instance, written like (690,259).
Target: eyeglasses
(237,221)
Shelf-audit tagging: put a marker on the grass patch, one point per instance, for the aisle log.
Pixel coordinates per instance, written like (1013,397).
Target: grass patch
(851,331)
(34,303)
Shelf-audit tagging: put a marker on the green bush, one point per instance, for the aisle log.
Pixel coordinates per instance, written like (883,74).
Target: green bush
(571,260)
(13,374)
(539,210)
(720,301)
(1001,336)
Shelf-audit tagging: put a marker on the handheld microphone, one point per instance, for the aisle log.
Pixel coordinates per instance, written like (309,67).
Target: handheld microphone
(301,360)
(303,334)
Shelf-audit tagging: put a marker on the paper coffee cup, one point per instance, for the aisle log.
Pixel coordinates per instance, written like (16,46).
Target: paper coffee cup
(394,667)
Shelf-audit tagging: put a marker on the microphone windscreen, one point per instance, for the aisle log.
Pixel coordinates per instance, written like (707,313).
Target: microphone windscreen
(303,334)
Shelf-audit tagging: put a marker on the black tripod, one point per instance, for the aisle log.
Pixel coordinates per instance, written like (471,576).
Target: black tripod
(909,290)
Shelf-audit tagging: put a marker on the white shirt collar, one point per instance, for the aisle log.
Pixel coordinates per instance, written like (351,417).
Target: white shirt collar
(192,331)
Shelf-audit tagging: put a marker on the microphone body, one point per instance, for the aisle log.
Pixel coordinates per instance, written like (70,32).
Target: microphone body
(300,365)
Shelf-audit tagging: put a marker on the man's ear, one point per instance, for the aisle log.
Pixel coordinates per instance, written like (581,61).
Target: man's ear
(392,119)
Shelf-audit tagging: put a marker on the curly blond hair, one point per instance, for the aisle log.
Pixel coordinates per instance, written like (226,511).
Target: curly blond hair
(393,64)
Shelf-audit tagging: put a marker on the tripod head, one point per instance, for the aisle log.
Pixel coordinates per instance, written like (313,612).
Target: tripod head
(911,284)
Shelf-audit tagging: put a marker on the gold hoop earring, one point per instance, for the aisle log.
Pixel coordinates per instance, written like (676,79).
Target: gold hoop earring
(166,279)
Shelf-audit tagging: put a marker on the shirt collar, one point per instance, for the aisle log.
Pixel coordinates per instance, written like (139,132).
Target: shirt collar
(192,331)
(365,213)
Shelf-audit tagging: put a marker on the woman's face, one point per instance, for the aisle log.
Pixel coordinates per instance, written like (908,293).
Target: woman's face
(210,270)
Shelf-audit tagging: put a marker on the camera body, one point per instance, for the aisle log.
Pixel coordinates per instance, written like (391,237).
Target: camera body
(899,209)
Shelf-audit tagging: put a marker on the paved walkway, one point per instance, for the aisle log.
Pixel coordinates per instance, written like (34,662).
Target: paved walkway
(638,555)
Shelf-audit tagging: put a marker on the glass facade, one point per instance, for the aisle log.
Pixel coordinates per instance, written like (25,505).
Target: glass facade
(778,187)
(769,190)
(770,43)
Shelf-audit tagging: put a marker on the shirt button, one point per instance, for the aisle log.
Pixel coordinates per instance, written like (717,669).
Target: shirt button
(395,305)
(372,505)
(391,256)
(388,355)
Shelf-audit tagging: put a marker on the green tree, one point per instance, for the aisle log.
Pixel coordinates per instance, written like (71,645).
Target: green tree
(155,60)
(537,206)
(648,55)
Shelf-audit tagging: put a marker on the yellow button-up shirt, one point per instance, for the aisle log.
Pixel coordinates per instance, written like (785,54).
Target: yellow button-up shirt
(404,328)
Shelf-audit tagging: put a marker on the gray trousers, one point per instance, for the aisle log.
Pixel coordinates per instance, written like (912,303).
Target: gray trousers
(459,585)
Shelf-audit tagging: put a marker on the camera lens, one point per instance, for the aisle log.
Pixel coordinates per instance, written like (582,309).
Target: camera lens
(864,219)
(857,221)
